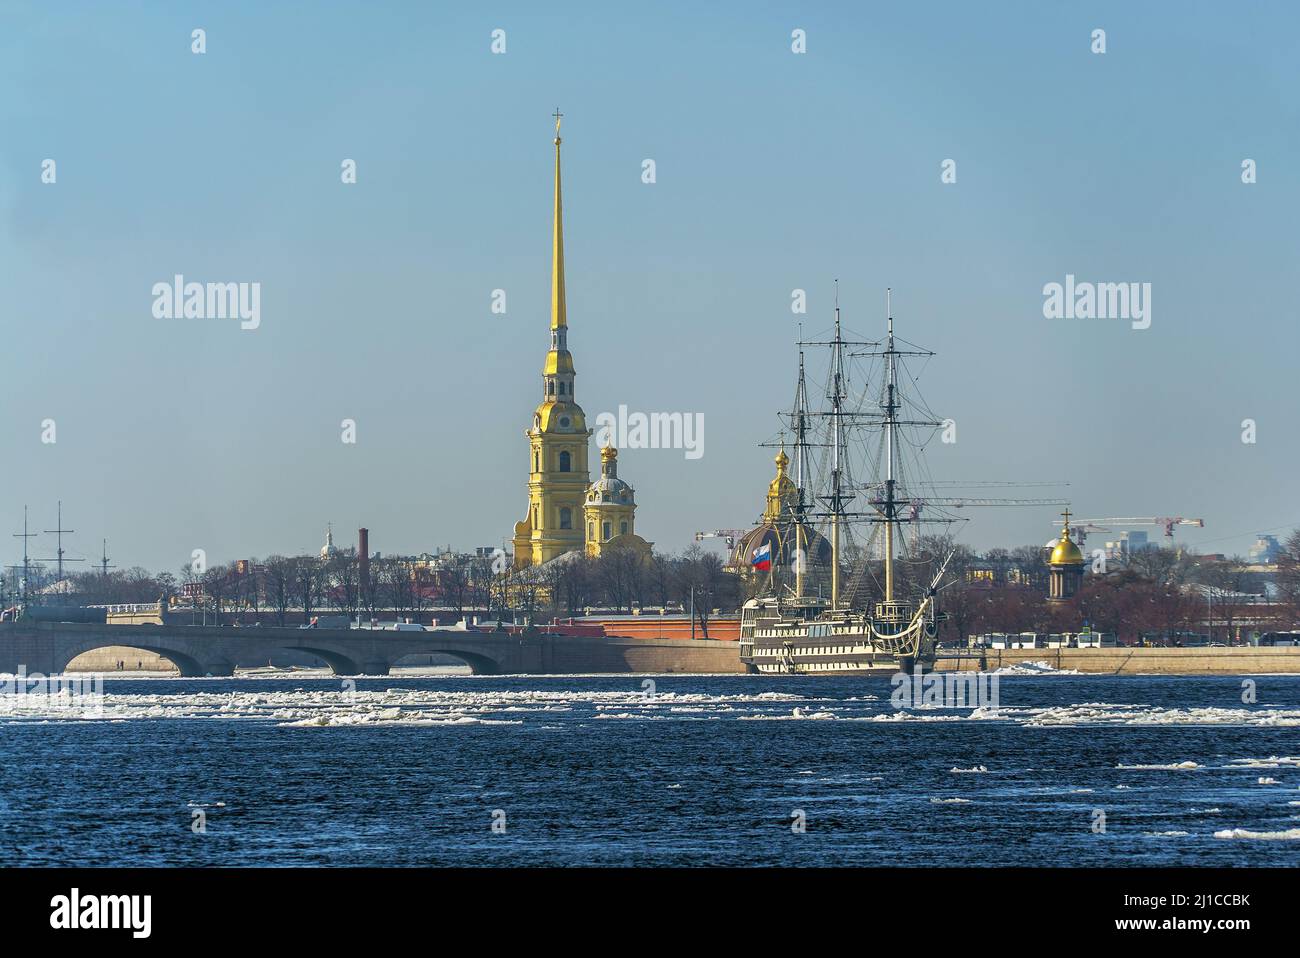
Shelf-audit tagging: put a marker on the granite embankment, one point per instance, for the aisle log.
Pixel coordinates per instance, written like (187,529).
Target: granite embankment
(1143,661)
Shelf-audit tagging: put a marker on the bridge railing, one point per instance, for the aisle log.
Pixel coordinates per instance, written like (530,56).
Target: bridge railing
(131,608)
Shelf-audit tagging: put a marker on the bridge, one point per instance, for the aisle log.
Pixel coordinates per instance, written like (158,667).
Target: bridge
(196,650)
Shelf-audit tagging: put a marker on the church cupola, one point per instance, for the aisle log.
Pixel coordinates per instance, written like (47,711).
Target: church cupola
(610,509)
(1064,566)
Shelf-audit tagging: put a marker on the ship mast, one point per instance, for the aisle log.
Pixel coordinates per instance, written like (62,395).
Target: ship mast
(836,498)
(891,423)
(838,492)
(887,505)
(799,420)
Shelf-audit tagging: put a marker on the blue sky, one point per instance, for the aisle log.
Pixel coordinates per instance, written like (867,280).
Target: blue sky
(775,171)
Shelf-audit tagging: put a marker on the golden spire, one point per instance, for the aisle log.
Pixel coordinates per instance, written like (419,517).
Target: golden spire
(558,318)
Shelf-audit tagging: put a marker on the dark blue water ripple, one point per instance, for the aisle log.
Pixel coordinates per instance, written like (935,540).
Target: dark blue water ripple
(708,782)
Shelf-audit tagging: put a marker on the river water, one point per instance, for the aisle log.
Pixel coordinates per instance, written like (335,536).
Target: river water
(692,770)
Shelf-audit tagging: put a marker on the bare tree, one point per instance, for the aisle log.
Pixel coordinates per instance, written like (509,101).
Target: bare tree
(1230,591)
(344,576)
(217,582)
(454,582)
(307,577)
(576,584)
(396,585)
(481,582)
(619,571)
(702,582)
(1158,564)
(1288,574)
(279,585)
(659,578)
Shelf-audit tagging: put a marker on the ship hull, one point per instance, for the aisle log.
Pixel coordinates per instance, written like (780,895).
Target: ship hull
(815,657)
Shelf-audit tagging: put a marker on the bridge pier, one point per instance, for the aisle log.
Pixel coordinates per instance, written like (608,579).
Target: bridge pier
(217,668)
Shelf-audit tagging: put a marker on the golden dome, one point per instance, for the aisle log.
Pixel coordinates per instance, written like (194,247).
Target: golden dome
(1065,552)
(608,453)
(782,493)
(558,361)
(559,416)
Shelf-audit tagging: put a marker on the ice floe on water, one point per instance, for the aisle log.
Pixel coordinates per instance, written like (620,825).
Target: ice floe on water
(1101,713)
(977,770)
(950,801)
(319,703)
(810,714)
(1290,835)
(1172,767)
(336,704)
(392,717)
(1033,668)
(1273,761)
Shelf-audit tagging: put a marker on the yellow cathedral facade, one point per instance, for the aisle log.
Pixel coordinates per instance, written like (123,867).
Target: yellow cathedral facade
(566,512)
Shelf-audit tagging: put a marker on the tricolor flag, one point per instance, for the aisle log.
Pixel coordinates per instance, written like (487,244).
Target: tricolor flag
(762,560)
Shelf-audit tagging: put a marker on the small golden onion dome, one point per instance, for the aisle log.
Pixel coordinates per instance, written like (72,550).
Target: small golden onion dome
(1066,552)
(782,493)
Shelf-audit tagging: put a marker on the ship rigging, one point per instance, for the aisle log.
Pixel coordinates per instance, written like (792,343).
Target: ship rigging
(884,618)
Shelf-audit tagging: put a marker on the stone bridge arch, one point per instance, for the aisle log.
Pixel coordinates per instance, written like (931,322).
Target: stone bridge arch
(187,665)
(479,662)
(339,663)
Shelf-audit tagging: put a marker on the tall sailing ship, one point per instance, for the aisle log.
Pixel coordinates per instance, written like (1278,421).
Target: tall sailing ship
(886,617)
(882,621)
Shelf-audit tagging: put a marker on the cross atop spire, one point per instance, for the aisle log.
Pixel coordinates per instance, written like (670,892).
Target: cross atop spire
(1066,516)
(558,116)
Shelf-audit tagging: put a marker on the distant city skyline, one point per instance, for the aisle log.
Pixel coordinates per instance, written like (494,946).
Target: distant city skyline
(774,171)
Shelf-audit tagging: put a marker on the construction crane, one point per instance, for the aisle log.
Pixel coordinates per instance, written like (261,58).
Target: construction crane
(1080,531)
(728,535)
(1102,525)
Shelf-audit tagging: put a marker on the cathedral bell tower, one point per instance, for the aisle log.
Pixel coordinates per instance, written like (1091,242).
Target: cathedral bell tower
(557,480)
